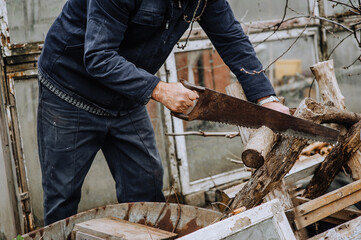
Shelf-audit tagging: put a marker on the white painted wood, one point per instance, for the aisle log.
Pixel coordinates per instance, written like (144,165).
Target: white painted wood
(303,169)
(348,231)
(172,156)
(189,187)
(233,227)
(4,29)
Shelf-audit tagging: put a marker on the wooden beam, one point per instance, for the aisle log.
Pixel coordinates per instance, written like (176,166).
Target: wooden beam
(327,204)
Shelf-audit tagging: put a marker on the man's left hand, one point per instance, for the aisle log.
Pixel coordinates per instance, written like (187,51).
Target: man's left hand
(277,106)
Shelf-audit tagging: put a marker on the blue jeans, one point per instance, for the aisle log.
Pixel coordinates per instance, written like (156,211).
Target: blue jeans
(68,140)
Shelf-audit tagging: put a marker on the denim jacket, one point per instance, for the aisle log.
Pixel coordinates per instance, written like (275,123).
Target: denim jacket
(107,51)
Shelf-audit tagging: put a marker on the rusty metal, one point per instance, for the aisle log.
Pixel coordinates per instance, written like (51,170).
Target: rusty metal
(183,219)
(218,107)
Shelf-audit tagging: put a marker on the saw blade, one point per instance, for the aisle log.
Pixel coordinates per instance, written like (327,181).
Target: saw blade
(218,107)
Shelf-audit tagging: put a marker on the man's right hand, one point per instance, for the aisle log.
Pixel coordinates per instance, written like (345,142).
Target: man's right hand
(174,96)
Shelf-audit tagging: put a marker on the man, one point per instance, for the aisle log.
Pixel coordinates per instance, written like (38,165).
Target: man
(96,74)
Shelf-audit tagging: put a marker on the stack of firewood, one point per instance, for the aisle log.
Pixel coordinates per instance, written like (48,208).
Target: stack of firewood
(273,156)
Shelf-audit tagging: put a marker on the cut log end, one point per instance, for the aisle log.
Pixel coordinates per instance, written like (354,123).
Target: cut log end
(252,158)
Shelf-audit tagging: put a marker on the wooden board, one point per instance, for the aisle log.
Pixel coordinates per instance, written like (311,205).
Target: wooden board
(118,229)
(328,204)
(347,231)
(303,169)
(267,221)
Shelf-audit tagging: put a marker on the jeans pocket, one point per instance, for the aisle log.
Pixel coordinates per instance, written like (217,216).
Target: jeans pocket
(60,122)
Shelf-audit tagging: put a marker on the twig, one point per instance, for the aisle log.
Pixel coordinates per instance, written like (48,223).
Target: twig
(329,55)
(205,134)
(287,50)
(357,59)
(278,25)
(340,3)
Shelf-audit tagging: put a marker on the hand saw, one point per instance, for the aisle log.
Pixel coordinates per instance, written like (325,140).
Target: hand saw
(218,107)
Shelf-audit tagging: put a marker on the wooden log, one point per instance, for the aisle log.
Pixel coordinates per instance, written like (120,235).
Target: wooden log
(326,79)
(278,163)
(333,163)
(257,143)
(322,113)
(330,92)
(280,192)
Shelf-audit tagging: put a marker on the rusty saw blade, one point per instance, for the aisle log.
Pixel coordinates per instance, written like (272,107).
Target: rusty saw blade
(218,107)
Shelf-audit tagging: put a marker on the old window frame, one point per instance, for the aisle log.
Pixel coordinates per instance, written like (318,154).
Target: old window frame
(181,160)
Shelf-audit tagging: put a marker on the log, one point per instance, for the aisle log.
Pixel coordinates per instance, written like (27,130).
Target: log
(333,163)
(280,192)
(257,143)
(326,79)
(330,92)
(278,163)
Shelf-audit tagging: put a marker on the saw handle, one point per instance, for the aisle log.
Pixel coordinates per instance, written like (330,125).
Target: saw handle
(192,87)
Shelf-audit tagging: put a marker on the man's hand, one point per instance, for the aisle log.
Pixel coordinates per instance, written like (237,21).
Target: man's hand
(174,96)
(276,106)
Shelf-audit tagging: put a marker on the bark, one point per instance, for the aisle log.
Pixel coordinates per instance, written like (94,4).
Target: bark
(333,163)
(278,163)
(257,143)
(330,92)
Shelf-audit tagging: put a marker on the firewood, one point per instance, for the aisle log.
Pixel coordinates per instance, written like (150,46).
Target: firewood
(278,163)
(256,143)
(330,92)
(313,148)
(333,163)
(259,145)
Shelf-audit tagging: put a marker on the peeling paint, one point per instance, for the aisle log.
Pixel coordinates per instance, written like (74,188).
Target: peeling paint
(241,223)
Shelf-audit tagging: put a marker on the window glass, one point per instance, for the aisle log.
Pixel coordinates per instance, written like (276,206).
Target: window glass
(290,75)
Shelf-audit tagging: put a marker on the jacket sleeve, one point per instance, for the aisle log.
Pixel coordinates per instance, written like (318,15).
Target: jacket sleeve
(236,50)
(106,24)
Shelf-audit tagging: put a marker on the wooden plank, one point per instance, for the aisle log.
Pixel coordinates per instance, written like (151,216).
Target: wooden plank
(118,229)
(345,215)
(347,231)
(326,210)
(21,67)
(236,227)
(22,59)
(329,198)
(303,169)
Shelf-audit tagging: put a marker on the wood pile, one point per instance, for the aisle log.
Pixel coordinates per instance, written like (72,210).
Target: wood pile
(279,163)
